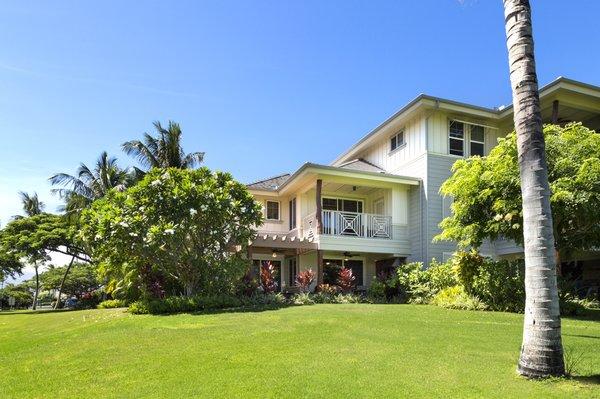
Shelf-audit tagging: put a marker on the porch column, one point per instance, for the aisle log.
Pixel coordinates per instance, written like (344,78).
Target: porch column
(555,112)
(319,213)
(319,267)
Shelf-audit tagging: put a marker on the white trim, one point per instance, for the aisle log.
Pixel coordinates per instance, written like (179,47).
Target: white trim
(278,211)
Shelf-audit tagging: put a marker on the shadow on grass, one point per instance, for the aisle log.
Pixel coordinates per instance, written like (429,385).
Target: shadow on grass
(30,312)
(244,309)
(587,315)
(593,379)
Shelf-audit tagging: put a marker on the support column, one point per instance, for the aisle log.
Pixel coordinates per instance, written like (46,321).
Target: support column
(319,212)
(555,112)
(319,267)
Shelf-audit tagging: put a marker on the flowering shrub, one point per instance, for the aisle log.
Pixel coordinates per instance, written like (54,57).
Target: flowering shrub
(304,279)
(328,289)
(345,280)
(191,225)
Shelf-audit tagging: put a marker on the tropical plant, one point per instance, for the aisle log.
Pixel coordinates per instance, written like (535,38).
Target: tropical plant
(88,184)
(542,351)
(31,204)
(189,228)
(267,278)
(345,280)
(163,150)
(304,279)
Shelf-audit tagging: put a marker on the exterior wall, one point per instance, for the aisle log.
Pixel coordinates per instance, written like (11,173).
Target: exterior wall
(272,226)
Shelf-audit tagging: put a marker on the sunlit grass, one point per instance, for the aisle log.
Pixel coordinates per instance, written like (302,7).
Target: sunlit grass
(310,351)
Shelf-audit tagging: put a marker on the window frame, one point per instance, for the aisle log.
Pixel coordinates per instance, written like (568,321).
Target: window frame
(471,141)
(450,138)
(360,204)
(395,144)
(292,223)
(267,210)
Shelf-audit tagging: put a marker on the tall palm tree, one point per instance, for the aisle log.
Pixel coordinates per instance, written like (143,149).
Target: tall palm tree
(164,150)
(541,351)
(31,203)
(87,184)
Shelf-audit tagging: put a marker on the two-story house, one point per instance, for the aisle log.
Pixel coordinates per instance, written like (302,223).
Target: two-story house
(378,203)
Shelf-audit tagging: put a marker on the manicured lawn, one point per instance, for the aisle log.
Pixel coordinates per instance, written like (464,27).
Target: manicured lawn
(310,351)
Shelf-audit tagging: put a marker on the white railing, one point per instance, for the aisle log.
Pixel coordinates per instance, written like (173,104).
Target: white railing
(309,225)
(365,225)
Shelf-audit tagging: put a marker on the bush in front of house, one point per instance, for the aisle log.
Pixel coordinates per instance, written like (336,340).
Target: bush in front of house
(456,297)
(112,304)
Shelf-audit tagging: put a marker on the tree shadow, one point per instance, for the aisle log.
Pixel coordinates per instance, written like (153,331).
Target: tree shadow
(587,315)
(24,312)
(241,309)
(593,379)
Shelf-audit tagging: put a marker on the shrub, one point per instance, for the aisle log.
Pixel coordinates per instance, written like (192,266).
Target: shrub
(267,278)
(304,279)
(457,298)
(345,280)
(500,285)
(248,285)
(377,290)
(348,298)
(328,289)
(302,298)
(112,303)
(89,300)
(466,266)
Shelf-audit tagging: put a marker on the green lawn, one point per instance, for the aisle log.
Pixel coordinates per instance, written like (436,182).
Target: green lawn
(309,351)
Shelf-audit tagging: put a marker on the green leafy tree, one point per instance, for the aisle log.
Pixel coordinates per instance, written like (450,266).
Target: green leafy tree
(33,238)
(80,280)
(163,150)
(487,195)
(21,293)
(187,226)
(31,204)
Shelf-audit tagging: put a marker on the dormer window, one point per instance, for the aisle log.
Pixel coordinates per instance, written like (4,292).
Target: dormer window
(397,140)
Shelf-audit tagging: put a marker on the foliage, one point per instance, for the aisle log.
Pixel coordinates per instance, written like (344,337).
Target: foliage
(199,303)
(303,298)
(89,184)
(328,289)
(467,265)
(487,194)
(31,204)
(164,150)
(456,297)
(21,293)
(10,264)
(304,279)
(345,280)
(500,285)
(81,279)
(267,278)
(112,303)
(248,285)
(190,226)
(377,290)
(419,285)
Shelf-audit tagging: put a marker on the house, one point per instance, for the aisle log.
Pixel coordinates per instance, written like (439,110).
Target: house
(378,203)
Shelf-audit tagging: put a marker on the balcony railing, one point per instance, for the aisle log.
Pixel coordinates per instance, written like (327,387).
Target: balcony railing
(349,224)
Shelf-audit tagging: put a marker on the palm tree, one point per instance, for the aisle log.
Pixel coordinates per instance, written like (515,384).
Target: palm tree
(87,185)
(162,151)
(31,204)
(541,351)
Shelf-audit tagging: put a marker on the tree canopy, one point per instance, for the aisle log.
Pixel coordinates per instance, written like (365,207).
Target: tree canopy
(80,280)
(187,226)
(487,195)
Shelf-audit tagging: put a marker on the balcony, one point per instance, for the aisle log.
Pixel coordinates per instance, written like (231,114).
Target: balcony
(348,224)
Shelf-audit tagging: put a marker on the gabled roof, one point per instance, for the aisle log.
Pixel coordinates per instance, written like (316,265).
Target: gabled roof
(270,184)
(362,165)
(498,113)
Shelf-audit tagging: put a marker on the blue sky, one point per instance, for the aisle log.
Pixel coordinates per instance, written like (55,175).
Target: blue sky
(261,86)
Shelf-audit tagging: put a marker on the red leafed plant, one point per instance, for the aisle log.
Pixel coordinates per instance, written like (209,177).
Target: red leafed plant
(267,278)
(345,280)
(305,279)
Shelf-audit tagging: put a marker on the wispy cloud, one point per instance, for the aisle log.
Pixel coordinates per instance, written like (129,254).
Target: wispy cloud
(59,76)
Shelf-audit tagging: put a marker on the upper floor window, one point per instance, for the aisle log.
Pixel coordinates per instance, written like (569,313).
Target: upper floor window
(293,214)
(477,140)
(397,140)
(272,210)
(457,138)
(465,139)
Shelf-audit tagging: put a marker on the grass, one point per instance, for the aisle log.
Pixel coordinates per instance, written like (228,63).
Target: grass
(310,351)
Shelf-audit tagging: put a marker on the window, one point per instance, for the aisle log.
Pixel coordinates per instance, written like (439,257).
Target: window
(460,133)
(343,205)
(397,140)
(293,214)
(292,271)
(477,140)
(457,138)
(272,210)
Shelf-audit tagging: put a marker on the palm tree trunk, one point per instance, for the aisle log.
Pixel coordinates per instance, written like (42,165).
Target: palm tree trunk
(541,351)
(62,283)
(37,287)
